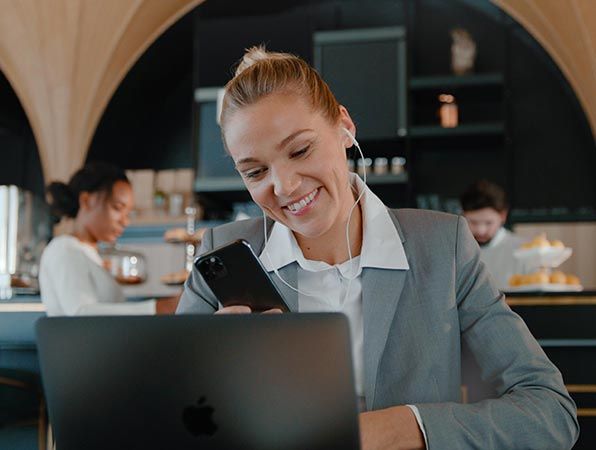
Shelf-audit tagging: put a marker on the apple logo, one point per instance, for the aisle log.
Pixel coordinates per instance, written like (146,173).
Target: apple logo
(198,419)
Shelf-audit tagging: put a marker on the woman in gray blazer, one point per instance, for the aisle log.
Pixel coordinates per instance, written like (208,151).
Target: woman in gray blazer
(410,282)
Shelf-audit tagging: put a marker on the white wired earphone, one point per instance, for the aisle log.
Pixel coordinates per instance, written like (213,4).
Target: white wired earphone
(355,142)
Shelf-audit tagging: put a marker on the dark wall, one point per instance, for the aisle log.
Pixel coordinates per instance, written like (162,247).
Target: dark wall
(147,123)
(554,150)
(20,164)
(546,158)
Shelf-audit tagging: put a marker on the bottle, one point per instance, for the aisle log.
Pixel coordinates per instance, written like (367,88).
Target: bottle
(448,111)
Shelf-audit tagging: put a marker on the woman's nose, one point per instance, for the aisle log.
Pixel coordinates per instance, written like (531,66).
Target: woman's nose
(125,220)
(285,182)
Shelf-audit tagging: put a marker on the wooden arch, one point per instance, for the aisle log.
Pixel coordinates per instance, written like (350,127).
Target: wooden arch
(567,30)
(65,59)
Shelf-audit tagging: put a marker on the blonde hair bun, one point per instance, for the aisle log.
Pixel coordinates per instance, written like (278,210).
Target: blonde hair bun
(258,53)
(261,73)
(251,56)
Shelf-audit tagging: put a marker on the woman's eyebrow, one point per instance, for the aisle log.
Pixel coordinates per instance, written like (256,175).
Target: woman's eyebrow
(292,136)
(250,159)
(281,145)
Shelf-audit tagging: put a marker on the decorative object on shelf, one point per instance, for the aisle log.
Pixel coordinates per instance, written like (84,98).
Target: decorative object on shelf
(161,196)
(364,164)
(463,52)
(175,204)
(143,186)
(159,201)
(381,166)
(397,165)
(448,111)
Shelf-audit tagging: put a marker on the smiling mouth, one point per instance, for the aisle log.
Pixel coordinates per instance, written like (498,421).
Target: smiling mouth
(298,206)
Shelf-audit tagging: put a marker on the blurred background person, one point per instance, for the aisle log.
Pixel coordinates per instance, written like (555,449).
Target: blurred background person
(485,207)
(73,279)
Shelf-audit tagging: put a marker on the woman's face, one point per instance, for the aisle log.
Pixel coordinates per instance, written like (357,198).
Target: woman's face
(293,162)
(106,216)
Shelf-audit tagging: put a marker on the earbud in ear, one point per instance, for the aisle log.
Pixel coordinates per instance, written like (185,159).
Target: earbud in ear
(351,136)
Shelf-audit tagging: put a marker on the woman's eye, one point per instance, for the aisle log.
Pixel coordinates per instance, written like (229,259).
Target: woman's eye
(300,153)
(254,173)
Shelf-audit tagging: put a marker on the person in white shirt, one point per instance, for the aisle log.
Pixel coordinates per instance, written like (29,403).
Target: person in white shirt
(409,281)
(72,278)
(485,207)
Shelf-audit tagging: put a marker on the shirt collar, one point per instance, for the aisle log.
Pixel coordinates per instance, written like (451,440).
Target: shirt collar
(497,238)
(381,244)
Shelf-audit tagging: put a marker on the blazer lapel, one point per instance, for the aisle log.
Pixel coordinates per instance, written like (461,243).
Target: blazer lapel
(381,290)
(290,274)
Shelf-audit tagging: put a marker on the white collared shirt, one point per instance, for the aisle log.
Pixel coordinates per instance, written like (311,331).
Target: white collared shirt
(381,248)
(498,257)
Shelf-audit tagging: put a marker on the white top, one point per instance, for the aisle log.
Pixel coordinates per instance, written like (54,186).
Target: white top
(73,282)
(327,285)
(498,257)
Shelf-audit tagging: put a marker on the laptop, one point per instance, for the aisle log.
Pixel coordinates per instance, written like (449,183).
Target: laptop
(246,382)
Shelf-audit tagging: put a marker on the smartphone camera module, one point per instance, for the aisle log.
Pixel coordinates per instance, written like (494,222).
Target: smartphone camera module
(212,268)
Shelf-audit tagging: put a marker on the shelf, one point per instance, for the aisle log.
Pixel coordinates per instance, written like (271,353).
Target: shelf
(153,233)
(387,179)
(455,81)
(538,215)
(219,184)
(567,342)
(154,218)
(480,129)
(232,184)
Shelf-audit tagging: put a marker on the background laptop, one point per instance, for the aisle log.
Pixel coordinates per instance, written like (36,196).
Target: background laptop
(261,382)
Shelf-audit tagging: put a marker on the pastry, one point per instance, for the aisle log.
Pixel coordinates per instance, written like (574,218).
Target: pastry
(174,278)
(180,235)
(515,279)
(558,277)
(573,279)
(540,241)
(557,244)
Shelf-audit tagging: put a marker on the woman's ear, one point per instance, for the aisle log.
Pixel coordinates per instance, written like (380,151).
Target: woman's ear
(84,201)
(87,200)
(345,121)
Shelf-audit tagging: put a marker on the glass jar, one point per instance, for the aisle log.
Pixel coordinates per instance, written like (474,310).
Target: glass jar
(126,266)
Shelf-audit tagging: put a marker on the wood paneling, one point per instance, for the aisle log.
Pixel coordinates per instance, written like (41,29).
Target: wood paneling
(567,30)
(65,58)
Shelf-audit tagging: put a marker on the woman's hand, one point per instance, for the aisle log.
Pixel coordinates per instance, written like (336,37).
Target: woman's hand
(241,309)
(392,428)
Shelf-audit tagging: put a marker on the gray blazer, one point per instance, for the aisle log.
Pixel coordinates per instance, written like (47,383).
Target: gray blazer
(415,322)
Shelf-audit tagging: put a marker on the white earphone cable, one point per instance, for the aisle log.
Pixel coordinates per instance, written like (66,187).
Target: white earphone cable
(353,275)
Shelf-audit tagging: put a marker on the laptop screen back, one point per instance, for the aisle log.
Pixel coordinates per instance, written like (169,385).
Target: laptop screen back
(209,382)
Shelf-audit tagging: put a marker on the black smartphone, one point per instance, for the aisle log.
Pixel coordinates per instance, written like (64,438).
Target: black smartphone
(236,276)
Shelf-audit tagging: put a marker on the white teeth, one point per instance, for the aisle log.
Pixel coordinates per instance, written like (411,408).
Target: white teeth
(295,207)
